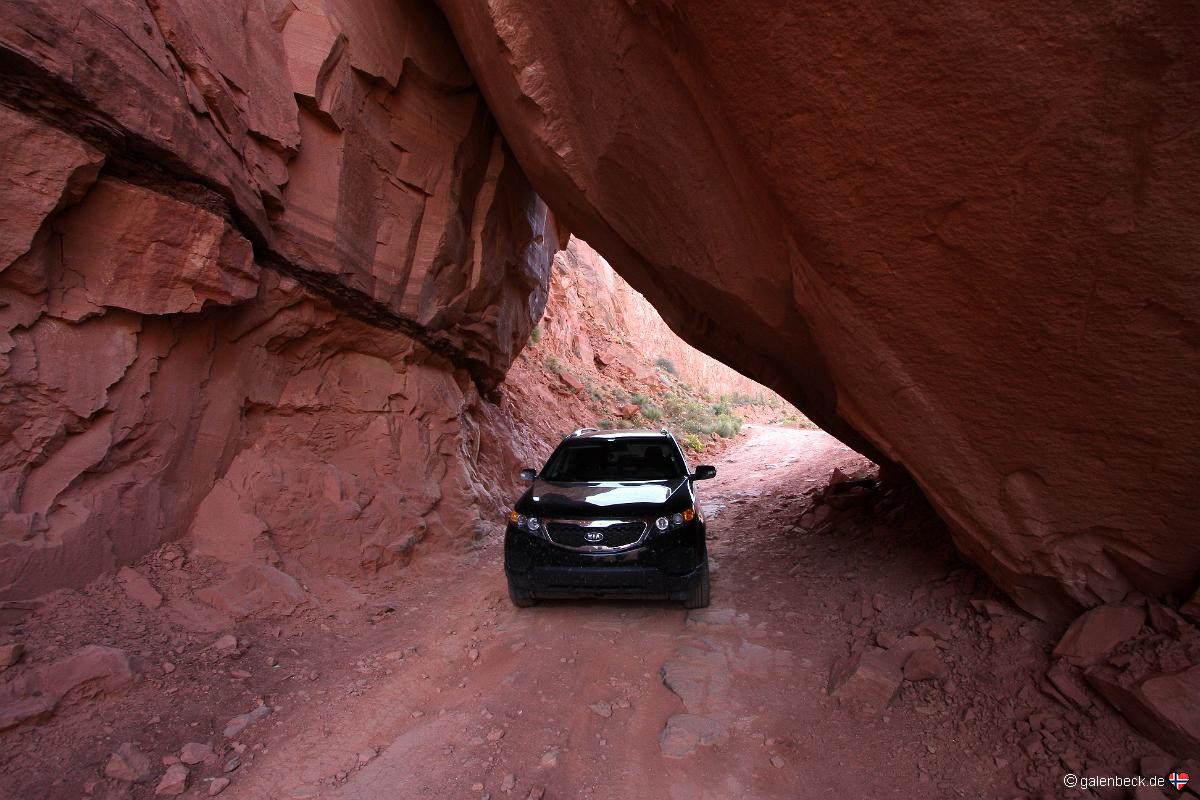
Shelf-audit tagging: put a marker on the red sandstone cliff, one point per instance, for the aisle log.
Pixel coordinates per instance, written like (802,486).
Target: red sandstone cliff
(961,237)
(257,262)
(957,239)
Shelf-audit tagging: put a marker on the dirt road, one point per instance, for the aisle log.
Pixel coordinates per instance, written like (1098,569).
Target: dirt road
(466,696)
(429,684)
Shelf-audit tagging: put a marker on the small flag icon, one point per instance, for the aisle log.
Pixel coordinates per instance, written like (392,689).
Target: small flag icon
(1178,779)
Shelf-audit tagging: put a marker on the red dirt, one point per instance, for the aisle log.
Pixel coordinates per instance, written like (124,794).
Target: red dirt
(426,671)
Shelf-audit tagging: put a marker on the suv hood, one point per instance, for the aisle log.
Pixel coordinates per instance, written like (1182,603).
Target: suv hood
(606,499)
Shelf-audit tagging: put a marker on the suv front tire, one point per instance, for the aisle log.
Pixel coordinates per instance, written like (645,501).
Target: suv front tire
(698,596)
(519,597)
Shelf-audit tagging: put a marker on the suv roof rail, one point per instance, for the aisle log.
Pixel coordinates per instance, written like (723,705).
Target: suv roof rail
(664,431)
(578,431)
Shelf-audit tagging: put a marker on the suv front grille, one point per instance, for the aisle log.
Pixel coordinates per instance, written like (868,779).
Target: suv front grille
(612,534)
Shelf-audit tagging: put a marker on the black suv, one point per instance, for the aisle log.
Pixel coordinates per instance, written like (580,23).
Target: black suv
(612,514)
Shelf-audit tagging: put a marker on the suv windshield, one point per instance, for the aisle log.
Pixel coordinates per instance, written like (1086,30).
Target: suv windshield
(594,460)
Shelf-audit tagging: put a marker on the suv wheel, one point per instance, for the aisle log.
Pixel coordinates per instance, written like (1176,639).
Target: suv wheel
(519,597)
(698,595)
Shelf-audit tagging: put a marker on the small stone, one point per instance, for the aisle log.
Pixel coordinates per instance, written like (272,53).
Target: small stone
(898,654)
(1097,632)
(476,787)
(174,781)
(536,793)
(365,756)
(1162,619)
(508,783)
(933,629)
(226,643)
(886,639)
(240,674)
(27,709)
(167,667)
(137,588)
(10,654)
(495,734)
(603,708)
(866,679)
(239,723)
(549,759)
(777,762)
(128,764)
(924,665)
(683,733)
(216,786)
(195,752)
(231,764)
(473,654)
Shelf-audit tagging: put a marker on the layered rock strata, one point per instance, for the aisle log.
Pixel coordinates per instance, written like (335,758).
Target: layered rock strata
(258,260)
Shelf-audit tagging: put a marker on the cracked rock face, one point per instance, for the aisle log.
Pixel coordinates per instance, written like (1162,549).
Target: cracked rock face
(257,262)
(961,239)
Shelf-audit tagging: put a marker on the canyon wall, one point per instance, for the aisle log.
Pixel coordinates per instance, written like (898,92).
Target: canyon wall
(584,285)
(258,261)
(961,239)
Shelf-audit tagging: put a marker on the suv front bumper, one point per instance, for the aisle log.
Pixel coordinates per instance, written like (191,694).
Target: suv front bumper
(665,567)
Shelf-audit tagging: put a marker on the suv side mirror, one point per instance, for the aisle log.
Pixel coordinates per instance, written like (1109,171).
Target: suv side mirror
(528,474)
(704,472)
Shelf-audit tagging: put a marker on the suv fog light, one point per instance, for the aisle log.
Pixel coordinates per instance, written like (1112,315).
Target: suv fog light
(661,523)
(677,519)
(533,523)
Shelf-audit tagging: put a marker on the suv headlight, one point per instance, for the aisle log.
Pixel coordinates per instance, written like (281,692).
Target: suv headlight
(529,524)
(675,520)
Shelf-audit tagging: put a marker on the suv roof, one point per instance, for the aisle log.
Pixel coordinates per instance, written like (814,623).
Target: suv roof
(600,433)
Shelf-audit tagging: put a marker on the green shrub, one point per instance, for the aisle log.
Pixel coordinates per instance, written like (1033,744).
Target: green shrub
(651,412)
(728,425)
(606,424)
(667,364)
(639,399)
(692,442)
(553,364)
(535,335)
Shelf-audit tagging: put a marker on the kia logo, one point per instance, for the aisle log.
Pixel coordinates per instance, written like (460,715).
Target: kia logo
(594,536)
